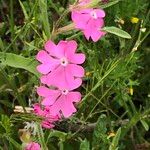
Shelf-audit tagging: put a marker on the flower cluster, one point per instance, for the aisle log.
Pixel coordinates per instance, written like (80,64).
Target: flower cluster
(61,70)
(89,21)
(45,113)
(61,75)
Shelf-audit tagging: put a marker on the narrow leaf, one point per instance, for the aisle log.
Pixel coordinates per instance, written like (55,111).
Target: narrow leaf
(145,125)
(41,137)
(115,141)
(118,32)
(14,143)
(1,44)
(44,17)
(24,10)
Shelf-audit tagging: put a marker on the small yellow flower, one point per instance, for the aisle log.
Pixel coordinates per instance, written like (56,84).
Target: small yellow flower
(87,74)
(134,20)
(131,91)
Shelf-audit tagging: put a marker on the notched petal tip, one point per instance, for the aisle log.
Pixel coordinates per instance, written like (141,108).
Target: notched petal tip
(49,45)
(100,13)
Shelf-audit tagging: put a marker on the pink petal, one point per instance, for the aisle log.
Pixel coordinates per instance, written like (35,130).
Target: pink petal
(97,24)
(69,81)
(74,96)
(63,105)
(49,63)
(97,35)
(43,79)
(44,69)
(75,70)
(37,109)
(46,92)
(53,49)
(50,46)
(77,58)
(100,13)
(33,146)
(70,48)
(55,78)
(74,82)
(49,100)
(86,11)
(67,111)
(68,107)
(56,107)
(43,56)
(70,53)
(89,29)
(61,46)
(93,29)
(80,19)
(47,125)
(63,79)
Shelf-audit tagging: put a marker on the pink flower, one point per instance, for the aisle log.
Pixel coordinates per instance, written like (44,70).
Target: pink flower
(60,64)
(83,2)
(90,22)
(60,100)
(49,119)
(33,146)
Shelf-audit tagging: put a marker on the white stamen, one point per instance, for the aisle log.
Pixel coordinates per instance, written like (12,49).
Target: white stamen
(63,61)
(64,92)
(93,15)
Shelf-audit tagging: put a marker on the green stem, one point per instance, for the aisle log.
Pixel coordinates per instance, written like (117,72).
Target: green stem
(44,15)
(24,27)
(12,22)
(54,6)
(41,137)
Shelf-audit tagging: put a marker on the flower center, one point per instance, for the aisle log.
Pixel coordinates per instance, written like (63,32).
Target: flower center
(64,92)
(93,15)
(63,61)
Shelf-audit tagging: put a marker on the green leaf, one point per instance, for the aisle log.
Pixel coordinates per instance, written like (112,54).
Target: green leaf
(115,141)
(117,31)
(5,123)
(44,17)
(24,10)
(41,137)
(145,125)
(85,145)
(18,61)
(15,144)
(130,124)
(100,133)
(1,44)
(58,134)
